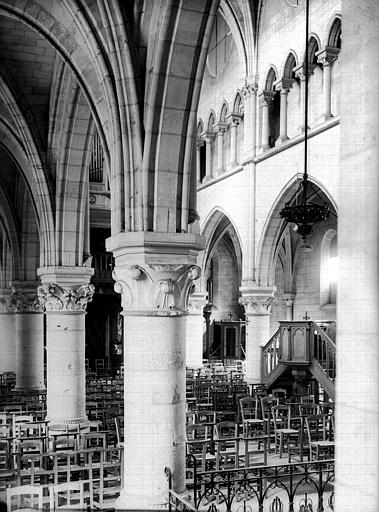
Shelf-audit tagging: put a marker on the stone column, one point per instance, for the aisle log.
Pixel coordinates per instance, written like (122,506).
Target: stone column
(220,129)
(265,99)
(326,57)
(257,303)
(357,390)
(288,300)
(300,73)
(7,335)
(154,273)
(64,296)
(208,137)
(195,329)
(234,119)
(199,144)
(250,109)
(283,86)
(29,332)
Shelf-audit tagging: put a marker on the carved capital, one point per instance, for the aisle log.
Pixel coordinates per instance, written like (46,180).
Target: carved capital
(234,118)
(220,128)
(300,70)
(327,55)
(155,289)
(257,301)
(208,136)
(250,89)
(22,298)
(284,85)
(266,97)
(196,302)
(54,297)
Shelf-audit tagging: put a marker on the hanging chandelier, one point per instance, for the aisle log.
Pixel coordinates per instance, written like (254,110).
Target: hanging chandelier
(301,209)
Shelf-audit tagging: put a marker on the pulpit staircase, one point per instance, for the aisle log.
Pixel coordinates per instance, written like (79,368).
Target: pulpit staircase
(299,347)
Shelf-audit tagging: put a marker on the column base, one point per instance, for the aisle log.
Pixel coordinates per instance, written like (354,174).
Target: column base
(82,422)
(206,179)
(137,502)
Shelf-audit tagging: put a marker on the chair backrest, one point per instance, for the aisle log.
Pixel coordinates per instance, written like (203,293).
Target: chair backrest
(205,416)
(308,409)
(266,403)
(62,443)
(316,425)
(280,394)
(67,495)
(226,429)
(95,439)
(281,415)
(249,408)
(307,399)
(24,497)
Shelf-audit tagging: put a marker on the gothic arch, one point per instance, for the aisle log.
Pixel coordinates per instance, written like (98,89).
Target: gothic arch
(334,26)
(215,226)
(275,226)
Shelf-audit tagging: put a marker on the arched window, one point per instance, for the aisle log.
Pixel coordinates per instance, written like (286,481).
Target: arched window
(274,109)
(334,39)
(238,109)
(312,50)
(328,269)
(289,65)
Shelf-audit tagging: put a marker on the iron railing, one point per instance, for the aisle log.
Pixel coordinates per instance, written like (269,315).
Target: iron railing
(296,487)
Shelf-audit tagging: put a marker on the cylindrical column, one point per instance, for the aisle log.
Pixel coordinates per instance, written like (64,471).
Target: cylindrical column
(233,143)
(326,57)
(195,329)
(257,303)
(154,301)
(265,99)
(29,332)
(65,343)
(208,137)
(7,342)
(29,350)
(300,73)
(357,390)
(250,96)
(220,131)
(283,86)
(7,335)
(199,143)
(154,309)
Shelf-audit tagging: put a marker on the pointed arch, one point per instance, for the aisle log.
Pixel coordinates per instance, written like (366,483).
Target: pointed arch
(290,63)
(334,34)
(274,228)
(215,226)
(270,79)
(224,111)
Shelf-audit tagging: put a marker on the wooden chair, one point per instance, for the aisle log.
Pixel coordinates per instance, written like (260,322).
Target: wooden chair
(280,394)
(64,443)
(67,496)
(249,414)
(198,445)
(227,441)
(320,446)
(108,486)
(284,435)
(24,497)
